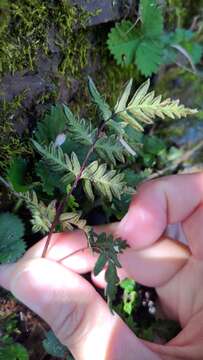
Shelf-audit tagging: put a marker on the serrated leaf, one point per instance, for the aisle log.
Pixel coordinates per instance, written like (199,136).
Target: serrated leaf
(123,41)
(101,262)
(12,245)
(149,56)
(51,125)
(13,351)
(139,45)
(98,99)
(151,18)
(16,174)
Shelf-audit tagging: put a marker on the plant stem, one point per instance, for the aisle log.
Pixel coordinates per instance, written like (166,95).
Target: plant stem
(74,253)
(64,201)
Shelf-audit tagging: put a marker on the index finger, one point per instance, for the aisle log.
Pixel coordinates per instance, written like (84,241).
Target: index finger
(160,202)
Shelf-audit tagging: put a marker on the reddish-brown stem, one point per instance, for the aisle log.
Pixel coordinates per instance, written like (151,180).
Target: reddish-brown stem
(64,201)
(73,253)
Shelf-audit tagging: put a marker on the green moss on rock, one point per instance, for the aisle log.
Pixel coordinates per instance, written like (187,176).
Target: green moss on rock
(11,143)
(26,30)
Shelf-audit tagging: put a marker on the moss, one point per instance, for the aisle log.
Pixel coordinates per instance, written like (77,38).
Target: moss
(73,41)
(15,146)
(25,34)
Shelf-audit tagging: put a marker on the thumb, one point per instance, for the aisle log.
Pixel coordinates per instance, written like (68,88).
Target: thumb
(66,301)
(70,305)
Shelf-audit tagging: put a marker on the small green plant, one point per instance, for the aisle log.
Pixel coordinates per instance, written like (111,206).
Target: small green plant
(12,245)
(148,46)
(80,165)
(86,172)
(9,348)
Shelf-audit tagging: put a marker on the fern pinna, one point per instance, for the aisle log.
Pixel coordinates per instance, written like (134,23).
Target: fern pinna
(81,159)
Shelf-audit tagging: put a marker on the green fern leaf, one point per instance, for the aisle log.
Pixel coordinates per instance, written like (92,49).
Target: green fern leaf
(123,99)
(108,183)
(59,161)
(70,220)
(49,179)
(99,101)
(108,248)
(80,130)
(145,106)
(88,189)
(12,245)
(109,148)
(42,215)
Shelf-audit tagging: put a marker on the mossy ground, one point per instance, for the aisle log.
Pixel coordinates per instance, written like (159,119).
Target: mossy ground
(26,30)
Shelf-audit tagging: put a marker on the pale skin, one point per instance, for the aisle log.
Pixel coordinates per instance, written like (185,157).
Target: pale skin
(76,312)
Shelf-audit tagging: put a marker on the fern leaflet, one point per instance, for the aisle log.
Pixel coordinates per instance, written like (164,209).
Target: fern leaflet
(72,219)
(145,106)
(108,183)
(42,215)
(79,128)
(99,101)
(60,161)
(109,148)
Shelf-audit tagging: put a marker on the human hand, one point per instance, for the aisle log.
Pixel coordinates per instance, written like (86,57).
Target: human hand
(75,311)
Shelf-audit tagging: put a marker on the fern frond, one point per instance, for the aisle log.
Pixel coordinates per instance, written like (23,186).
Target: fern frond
(59,161)
(99,101)
(123,99)
(110,148)
(145,106)
(42,215)
(108,183)
(80,130)
(71,219)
